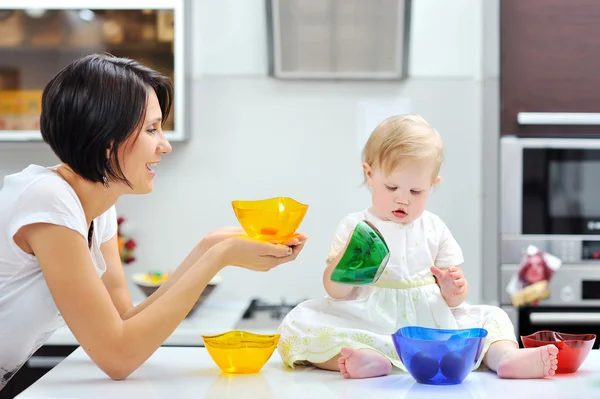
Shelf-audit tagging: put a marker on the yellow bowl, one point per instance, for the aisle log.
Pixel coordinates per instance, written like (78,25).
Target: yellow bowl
(273,219)
(240,352)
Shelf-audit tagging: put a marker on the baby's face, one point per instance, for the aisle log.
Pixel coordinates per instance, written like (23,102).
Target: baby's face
(402,195)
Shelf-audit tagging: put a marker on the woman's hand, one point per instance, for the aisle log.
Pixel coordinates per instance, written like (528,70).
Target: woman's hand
(224,233)
(212,240)
(216,236)
(252,254)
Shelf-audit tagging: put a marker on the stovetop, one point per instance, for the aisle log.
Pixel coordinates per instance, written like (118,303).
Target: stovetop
(264,316)
(275,310)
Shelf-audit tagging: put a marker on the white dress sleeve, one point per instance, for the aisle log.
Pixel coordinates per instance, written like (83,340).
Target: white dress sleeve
(47,201)
(449,253)
(343,231)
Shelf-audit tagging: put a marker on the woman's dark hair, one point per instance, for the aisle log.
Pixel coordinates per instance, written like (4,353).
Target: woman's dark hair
(95,104)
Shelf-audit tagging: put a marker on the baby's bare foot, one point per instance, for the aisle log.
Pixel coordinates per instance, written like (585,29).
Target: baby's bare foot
(529,363)
(363,363)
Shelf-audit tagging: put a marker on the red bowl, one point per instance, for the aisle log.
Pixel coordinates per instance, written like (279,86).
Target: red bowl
(572,348)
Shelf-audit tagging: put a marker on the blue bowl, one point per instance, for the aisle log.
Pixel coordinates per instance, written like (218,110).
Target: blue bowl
(438,357)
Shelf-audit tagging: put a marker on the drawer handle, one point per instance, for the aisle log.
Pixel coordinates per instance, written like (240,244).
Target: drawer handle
(44,361)
(558,118)
(564,318)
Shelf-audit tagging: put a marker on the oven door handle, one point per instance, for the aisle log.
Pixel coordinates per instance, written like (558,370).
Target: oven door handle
(564,318)
(558,118)
(44,361)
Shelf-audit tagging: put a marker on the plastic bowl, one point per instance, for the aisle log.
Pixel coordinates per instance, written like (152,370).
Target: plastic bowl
(573,349)
(240,352)
(150,282)
(365,257)
(273,219)
(438,357)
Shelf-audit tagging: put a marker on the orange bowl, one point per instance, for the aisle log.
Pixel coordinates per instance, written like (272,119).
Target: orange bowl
(240,352)
(273,219)
(573,349)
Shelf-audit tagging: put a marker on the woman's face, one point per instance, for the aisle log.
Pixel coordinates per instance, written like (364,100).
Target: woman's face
(536,270)
(138,160)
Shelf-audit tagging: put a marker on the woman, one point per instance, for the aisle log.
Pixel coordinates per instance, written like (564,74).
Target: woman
(59,259)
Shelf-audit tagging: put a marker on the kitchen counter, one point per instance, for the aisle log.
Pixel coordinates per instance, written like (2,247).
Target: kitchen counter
(212,317)
(190,373)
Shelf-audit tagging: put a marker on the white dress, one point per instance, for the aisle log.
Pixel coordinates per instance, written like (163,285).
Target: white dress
(406,294)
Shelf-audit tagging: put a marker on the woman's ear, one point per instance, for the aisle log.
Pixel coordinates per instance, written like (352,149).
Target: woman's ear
(108,150)
(436,180)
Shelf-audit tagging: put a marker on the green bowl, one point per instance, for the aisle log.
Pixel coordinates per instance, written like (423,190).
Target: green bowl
(365,257)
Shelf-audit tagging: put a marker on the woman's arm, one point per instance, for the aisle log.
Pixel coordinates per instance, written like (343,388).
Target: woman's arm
(116,283)
(120,296)
(120,346)
(117,346)
(114,277)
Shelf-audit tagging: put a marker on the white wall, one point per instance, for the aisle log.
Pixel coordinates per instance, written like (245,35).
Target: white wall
(255,137)
(230,38)
(490,151)
(446,39)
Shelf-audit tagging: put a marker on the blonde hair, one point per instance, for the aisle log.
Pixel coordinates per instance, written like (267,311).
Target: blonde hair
(403,138)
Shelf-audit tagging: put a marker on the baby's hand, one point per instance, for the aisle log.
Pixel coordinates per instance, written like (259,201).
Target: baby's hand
(451,281)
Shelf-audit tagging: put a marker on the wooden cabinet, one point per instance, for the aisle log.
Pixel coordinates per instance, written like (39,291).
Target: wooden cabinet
(550,67)
(35,44)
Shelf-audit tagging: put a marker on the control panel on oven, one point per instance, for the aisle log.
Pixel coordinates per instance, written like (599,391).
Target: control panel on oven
(569,249)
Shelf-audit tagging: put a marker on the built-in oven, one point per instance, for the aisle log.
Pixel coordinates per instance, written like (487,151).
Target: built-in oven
(550,198)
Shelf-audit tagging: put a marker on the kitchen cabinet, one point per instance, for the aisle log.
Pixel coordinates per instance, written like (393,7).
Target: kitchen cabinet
(550,58)
(42,361)
(36,43)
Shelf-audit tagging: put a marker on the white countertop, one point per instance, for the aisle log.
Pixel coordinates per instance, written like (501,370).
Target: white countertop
(211,317)
(190,373)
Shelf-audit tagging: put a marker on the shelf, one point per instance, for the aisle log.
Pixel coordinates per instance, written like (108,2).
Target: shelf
(142,46)
(35,136)
(20,135)
(29,65)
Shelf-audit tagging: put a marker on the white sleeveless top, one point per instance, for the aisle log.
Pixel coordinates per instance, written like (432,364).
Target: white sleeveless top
(28,314)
